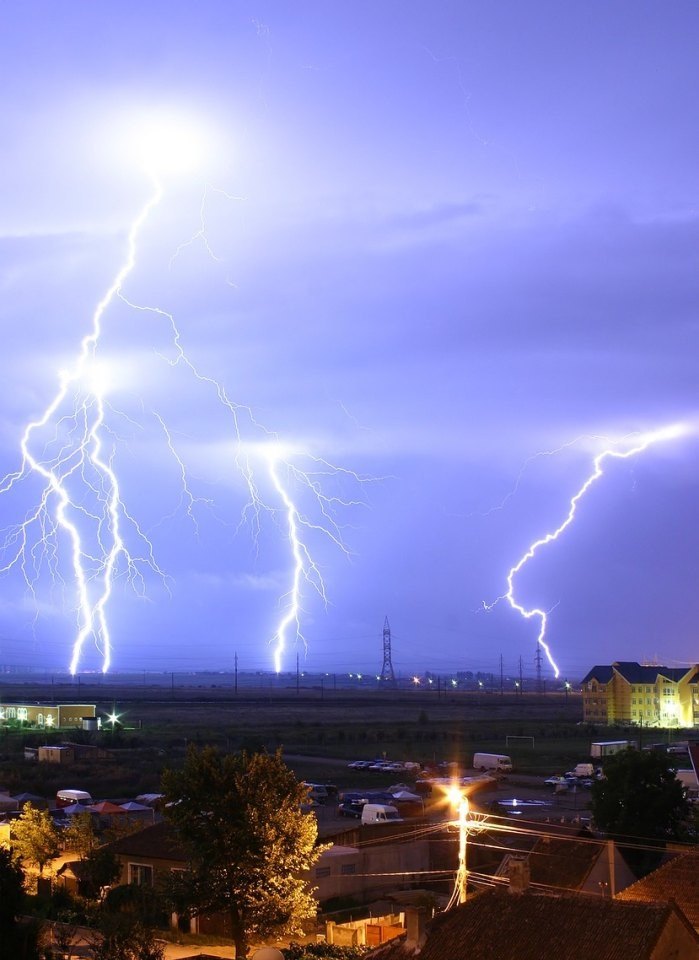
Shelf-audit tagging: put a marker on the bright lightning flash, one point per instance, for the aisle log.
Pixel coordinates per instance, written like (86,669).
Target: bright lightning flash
(305,568)
(636,444)
(66,450)
(71,450)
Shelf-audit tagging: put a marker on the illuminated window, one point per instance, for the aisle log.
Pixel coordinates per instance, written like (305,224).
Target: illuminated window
(22,713)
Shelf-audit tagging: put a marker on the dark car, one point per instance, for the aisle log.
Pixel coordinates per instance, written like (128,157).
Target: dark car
(350,809)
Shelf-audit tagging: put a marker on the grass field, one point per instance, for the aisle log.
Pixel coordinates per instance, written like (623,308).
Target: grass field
(325,728)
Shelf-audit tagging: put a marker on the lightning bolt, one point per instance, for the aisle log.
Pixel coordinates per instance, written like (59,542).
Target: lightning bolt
(299,526)
(76,451)
(638,444)
(71,449)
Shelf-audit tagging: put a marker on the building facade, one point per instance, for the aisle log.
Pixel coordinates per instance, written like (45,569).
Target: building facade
(649,696)
(48,716)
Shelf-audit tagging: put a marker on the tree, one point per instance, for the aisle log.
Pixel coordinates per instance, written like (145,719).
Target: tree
(16,941)
(99,869)
(639,797)
(239,816)
(121,938)
(34,837)
(11,892)
(80,835)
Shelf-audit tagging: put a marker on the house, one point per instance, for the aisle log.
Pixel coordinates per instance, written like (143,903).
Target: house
(365,872)
(500,925)
(152,853)
(628,692)
(342,871)
(677,880)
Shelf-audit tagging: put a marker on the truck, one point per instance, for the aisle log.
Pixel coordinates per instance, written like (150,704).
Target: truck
(380,813)
(497,762)
(607,748)
(317,792)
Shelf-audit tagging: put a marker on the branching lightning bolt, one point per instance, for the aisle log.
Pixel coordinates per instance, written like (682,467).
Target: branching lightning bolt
(305,568)
(80,456)
(71,450)
(639,443)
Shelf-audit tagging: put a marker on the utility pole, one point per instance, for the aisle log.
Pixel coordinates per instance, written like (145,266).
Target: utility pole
(459,800)
(521,681)
(297,674)
(235,674)
(387,677)
(502,678)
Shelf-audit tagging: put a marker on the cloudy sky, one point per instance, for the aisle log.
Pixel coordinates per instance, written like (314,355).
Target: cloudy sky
(420,241)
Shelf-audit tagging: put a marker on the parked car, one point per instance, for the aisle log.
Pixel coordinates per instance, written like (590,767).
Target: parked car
(352,809)
(557,780)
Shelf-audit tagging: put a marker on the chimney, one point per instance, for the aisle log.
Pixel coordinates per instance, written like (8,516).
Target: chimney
(519,873)
(416,923)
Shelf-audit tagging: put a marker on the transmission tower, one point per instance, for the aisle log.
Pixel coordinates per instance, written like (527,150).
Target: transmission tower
(387,677)
(537,661)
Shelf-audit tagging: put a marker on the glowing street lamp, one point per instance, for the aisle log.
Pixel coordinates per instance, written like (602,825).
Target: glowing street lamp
(113,718)
(459,799)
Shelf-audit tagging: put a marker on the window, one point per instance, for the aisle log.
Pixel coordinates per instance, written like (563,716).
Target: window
(141,874)
(322,872)
(22,713)
(11,713)
(348,868)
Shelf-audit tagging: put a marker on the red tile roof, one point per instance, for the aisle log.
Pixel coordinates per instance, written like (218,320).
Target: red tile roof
(676,880)
(499,925)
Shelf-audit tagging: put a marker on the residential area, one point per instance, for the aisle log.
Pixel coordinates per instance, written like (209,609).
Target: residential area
(388,842)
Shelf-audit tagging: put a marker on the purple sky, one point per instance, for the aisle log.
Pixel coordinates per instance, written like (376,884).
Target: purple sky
(457,234)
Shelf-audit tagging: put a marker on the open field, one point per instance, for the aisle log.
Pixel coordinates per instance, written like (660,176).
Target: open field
(319,730)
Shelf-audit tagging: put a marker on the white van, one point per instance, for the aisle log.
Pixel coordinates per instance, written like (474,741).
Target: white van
(66,798)
(380,813)
(497,762)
